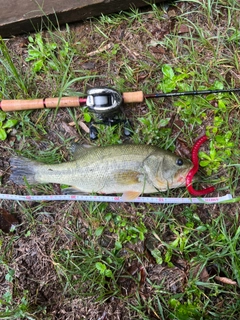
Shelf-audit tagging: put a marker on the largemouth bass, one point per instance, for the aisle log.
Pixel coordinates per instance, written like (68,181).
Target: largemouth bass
(127,169)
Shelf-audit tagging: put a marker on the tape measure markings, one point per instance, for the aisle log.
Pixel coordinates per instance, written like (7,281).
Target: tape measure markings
(96,198)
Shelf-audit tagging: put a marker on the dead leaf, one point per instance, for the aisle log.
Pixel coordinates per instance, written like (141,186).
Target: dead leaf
(182,149)
(81,124)
(172,13)
(134,54)
(183,29)
(225,280)
(84,126)
(7,220)
(104,48)
(159,50)
(88,65)
(68,129)
(201,273)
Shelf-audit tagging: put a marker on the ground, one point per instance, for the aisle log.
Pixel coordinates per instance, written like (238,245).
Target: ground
(78,260)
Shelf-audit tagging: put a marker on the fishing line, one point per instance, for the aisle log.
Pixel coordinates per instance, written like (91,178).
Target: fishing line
(116,199)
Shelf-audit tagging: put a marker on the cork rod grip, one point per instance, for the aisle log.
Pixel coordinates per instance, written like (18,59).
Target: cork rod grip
(133,97)
(18,105)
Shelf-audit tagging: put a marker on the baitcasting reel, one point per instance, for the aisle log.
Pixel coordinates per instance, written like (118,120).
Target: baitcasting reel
(105,103)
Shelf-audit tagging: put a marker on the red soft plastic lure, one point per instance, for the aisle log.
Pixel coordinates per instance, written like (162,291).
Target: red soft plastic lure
(194,170)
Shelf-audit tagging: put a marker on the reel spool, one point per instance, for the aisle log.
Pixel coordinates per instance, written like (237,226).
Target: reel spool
(105,103)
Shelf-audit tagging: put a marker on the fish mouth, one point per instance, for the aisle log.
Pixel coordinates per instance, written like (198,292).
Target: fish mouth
(180,178)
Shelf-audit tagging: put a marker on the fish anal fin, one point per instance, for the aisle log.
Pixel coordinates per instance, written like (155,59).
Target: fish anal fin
(130,195)
(73,190)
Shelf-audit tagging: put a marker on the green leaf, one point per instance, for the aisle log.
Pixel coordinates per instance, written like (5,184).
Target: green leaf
(218,85)
(33,54)
(221,105)
(39,42)
(118,245)
(87,117)
(220,139)
(108,273)
(235,36)
(174,303)
(52,65)
(10,123)
(52,46)
(168,256)
(168,86)
(37,66)
(2,115)
(204,155)
(100,267)
(204,163)
(157,255)
(30,39)
(181,77)
(7,296)
(213,154)
(164,122)
(108,217)
(141,236)
(99,231)
(201,228)
(167,71)
(3,134)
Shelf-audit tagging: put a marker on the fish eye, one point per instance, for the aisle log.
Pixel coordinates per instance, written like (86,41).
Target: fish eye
(179,162)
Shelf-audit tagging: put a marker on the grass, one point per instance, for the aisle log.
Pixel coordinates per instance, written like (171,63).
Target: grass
(132,261)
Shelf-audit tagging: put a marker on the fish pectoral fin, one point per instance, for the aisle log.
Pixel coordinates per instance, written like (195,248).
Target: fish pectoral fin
(73,190)
(130,195)
(127,177)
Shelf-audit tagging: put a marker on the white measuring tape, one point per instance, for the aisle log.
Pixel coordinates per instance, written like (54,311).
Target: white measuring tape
(114,199)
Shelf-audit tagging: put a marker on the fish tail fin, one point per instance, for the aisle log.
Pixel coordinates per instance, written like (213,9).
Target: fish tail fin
(23,170)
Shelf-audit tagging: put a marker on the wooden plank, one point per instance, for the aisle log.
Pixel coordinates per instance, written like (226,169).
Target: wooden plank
(21,16)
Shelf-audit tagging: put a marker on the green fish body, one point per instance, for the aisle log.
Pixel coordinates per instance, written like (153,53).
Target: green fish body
(128,169)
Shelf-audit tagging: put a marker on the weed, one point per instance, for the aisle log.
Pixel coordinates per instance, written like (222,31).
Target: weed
(40,53)
(153,128)
(6,124)
(9,67)
(13,310)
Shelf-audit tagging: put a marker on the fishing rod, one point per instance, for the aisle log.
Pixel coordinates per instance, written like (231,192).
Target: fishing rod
(103,101)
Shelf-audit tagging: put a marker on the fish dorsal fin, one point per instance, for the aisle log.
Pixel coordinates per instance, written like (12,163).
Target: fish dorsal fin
(130,195)
(78,150)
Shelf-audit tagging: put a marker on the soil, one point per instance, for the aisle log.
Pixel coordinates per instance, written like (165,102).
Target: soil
(45,228)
